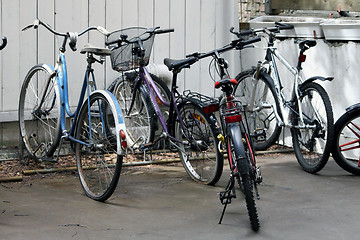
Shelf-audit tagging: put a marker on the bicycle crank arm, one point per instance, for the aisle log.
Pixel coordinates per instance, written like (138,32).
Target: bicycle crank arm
(301,126)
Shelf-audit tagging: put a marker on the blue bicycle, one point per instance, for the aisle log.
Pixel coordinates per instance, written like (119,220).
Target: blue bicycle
(97,132)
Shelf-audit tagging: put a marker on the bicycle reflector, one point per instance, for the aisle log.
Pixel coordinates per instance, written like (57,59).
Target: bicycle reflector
(233,118)
(123,139)
(302,58)
(211,108)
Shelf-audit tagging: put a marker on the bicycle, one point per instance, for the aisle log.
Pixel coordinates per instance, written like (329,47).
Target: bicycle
(97,132)
(4,43)
(308,113)
(345,150)
(188,130)
(235,137)
(125,81)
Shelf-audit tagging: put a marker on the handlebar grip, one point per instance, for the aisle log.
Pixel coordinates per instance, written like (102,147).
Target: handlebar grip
(195,54)
(247,32)
(247,42)
(108,43)
(4,43)
(73,37)
(103,31)
(284,26)
(161,31)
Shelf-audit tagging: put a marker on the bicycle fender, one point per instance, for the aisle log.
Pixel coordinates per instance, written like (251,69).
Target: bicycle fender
(235,133)
(353,107)
(266,77)
(317,78)
(119,120)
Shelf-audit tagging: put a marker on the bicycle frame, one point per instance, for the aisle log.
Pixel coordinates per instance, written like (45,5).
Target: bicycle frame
(145,76)
(60,71)
(285,109)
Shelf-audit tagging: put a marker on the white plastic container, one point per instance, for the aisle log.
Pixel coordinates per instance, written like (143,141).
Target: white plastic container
(304,27)
(341,29)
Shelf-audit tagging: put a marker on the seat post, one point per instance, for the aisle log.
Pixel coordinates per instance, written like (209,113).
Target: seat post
(172,100)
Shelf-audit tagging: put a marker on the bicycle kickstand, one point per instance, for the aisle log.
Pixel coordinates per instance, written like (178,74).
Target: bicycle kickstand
(228,194)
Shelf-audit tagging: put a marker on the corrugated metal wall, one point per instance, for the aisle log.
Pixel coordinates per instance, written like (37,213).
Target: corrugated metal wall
(200,25)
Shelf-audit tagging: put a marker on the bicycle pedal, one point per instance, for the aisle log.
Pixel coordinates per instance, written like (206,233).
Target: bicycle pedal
(266,105)
(145,147)
(259,134)
(225,196)
(48,160)
(258,175)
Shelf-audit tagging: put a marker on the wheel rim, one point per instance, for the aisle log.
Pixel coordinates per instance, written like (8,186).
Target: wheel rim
(199,157)
(313,141)
(98,162)
(348,143)
(137,123)
(262,122)
(39,129)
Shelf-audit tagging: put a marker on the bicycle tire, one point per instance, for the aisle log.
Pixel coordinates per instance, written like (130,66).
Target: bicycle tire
(312,148)
(141,122)
(40,130)
(237,151)
(201,158)
(263,120)
(166,94)
(346,130)
(98,164)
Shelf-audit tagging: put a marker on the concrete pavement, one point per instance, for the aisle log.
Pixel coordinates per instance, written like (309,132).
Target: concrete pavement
(161,202)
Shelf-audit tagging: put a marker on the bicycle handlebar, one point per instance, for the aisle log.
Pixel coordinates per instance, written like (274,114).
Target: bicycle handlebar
(72,36)
(194,57)
(161,31)
(268,30)
(4,43)
(150,31)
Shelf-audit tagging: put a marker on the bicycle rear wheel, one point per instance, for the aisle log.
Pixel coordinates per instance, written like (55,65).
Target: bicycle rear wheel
(97,159)
(40,126)
(140,122)
(262,123)
(346,149)
(312,145)
(199,155)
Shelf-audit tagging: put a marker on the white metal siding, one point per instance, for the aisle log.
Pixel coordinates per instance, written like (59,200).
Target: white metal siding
(200,25)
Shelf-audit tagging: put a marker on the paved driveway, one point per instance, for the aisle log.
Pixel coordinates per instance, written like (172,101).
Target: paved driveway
(161,202)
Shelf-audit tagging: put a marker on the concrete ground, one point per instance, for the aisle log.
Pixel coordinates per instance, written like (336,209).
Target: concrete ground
(161,202)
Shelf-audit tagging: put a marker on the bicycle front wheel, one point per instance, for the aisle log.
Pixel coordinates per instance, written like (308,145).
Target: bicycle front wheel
(312,142)
(140,121)
(198,152)
(346,149)
(259,113)
(39,112)
(97,160)
(242,154)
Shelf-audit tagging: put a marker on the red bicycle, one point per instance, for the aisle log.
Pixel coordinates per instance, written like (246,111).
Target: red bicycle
(346,149)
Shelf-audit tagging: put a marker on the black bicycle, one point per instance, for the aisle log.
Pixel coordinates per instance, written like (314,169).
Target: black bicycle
(235,139)
(4,43)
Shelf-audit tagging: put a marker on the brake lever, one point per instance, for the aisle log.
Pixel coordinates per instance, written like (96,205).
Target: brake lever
(233,32)
(35,25)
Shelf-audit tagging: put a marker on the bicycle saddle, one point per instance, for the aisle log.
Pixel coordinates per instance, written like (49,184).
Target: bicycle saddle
(88,48)
(179,64)
(225,81)
(306,44)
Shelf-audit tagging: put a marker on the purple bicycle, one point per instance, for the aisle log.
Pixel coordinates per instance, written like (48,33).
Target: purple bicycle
(189,128)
